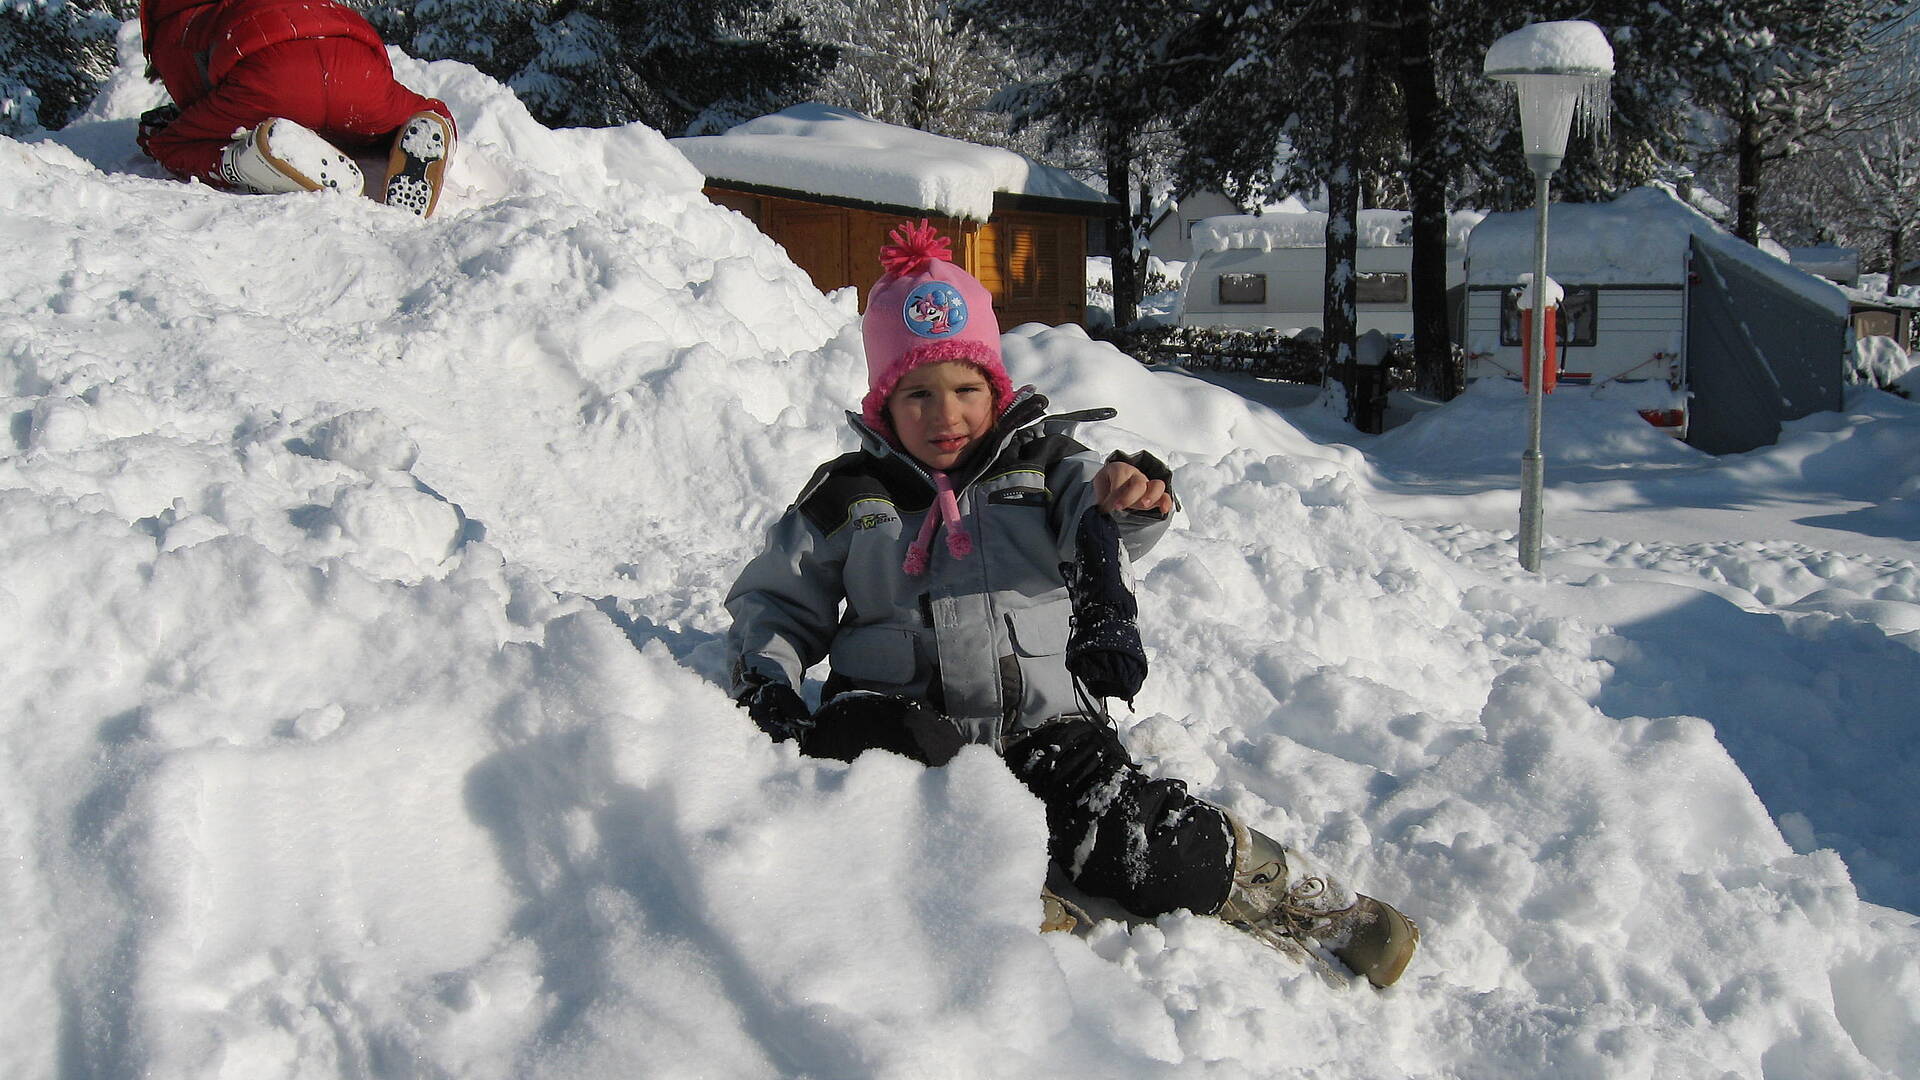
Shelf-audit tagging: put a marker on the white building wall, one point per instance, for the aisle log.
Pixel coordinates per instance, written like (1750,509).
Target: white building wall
(1296,286)
(1634,324)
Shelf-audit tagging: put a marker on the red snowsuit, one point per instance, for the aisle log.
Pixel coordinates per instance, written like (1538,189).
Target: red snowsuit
(230,64)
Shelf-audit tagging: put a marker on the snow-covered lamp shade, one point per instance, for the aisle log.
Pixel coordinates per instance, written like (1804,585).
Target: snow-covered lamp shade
(1562,71)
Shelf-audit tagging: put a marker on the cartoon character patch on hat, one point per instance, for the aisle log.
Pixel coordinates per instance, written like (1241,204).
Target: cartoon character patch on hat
(935,310)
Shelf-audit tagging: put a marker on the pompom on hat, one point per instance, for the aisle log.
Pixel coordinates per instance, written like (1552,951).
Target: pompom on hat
(926,310)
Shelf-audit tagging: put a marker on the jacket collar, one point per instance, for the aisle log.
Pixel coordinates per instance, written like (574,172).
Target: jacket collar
(1027,409)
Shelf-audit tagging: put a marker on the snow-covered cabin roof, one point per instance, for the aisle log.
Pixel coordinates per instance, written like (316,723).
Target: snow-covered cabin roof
(1303,228)
(1840,265)
(837,153)
(1908,299)
(1640,238)
(1167,205)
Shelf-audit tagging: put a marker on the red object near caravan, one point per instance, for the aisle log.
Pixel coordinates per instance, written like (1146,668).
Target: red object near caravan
(1550,368)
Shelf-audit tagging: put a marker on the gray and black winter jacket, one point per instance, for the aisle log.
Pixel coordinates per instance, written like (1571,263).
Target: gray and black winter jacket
(981,638)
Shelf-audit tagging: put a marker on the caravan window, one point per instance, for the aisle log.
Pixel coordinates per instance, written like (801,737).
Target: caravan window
(1577,325)
(1379,288)
(1243,288)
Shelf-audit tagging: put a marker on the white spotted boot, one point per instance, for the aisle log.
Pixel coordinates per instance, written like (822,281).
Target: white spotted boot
(418,163)
(1279,897)
(280,157)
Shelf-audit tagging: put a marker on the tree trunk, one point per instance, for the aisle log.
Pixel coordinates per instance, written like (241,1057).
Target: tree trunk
(1343,210)
(1748,144)
(1434,371)
(1126,280)
(1142,217)
(1896,244)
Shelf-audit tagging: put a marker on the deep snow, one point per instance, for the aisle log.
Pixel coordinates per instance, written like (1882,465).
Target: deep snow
(359,594)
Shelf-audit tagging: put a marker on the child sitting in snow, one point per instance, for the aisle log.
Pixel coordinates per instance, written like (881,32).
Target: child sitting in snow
(1005,631)
(263,90)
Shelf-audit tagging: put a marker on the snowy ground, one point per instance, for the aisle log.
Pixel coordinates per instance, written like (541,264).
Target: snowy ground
(359,595)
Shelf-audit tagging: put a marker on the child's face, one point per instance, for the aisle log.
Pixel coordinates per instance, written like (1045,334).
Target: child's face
(939,411)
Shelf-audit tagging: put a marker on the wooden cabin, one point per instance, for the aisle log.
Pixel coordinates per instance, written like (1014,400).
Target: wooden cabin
(829,184)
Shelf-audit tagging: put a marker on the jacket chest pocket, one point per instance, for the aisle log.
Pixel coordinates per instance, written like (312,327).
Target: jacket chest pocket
(876,654)
(1039,631)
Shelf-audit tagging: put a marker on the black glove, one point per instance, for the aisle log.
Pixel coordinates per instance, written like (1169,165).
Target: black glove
(154,121)
(1104,651)
(861,720)
(776,708)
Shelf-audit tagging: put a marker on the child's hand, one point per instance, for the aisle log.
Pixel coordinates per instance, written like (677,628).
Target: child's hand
(1120,486)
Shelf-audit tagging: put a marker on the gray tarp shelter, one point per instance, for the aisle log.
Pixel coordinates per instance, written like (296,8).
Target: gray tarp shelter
(1667,296)
(1757,354)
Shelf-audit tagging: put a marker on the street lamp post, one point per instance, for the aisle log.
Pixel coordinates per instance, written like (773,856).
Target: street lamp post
(1561,70)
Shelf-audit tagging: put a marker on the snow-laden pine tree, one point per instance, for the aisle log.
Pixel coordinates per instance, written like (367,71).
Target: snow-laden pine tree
(681,66)
(1120,74)
(496,36)
(1299,104)
(54,54)
(1859,184)
(1769,72)
(912,63)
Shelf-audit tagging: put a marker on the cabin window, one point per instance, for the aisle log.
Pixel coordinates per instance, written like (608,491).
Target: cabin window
(1379,288)
(1032,261)
(1578,322)
(1876,323)
(1243,288)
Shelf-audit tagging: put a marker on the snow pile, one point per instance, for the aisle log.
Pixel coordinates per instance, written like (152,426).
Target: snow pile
(1484,431)
(1572,47)
(828,150)
(360,583)
(1878,360)
(1308,229)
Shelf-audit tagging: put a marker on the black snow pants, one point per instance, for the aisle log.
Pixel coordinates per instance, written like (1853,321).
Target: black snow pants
(1143,843)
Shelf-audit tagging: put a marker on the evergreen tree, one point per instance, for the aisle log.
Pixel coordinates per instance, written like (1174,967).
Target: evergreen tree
(685,66)
(496,36)
(1119,73)
(1859,184)
(912,63)
(54,54)
(682,66)
(1769,70)
(1297,106)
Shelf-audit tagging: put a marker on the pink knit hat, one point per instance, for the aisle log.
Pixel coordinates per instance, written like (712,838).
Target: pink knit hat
(925,310)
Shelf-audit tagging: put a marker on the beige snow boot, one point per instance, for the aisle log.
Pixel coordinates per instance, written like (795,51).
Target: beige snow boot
(1057,913)
(1055,916)
(1279,896)
(417,165)
(280,157)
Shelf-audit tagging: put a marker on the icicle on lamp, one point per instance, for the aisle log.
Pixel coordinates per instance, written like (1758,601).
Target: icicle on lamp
(1562,71)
